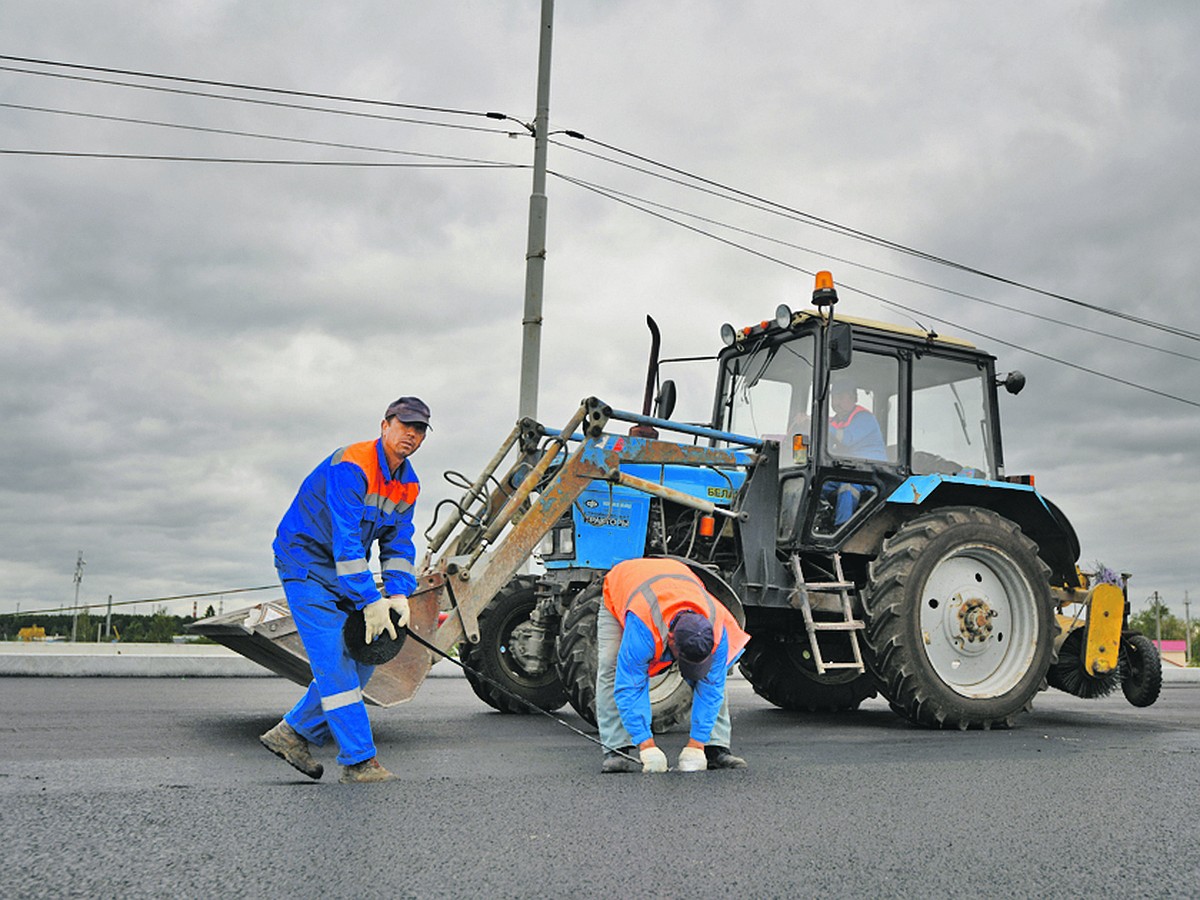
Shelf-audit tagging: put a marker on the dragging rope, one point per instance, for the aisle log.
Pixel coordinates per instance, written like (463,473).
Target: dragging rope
(531,706)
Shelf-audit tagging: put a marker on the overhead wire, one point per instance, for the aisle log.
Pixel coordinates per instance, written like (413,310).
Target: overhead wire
(168,599)
(876,240)
(890,303)
(880,271)
(719,189)
(250,134)
(258,101)
(327,163)
(287,92)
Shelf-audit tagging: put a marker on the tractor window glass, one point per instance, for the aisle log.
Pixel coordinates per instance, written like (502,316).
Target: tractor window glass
(950,419)
(767,393)
(862,408)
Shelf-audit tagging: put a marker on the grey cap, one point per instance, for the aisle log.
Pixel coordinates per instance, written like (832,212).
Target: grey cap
(408,409)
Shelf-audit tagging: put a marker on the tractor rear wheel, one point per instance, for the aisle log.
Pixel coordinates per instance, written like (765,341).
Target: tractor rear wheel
(1142,680)
(784,673)
(576,656)
(494,658)
(959,619)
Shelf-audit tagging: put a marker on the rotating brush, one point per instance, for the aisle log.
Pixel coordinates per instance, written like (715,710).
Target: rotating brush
(1068,673)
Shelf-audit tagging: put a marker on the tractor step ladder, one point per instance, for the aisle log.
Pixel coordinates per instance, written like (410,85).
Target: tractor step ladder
(850,625)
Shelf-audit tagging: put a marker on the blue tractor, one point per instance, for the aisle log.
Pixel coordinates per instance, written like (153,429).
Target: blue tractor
(847,501)
(883,550)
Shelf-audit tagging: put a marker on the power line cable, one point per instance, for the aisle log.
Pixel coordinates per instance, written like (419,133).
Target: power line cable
(869,268)
(248,134)
(258,101)
(887,244)
(313,95)
(174,597)
(890,303)
(327,163)
(807,217)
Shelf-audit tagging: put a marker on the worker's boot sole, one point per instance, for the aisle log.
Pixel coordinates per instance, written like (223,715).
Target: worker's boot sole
(285,743)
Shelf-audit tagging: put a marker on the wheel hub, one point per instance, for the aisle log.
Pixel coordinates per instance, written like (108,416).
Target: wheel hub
(974,618)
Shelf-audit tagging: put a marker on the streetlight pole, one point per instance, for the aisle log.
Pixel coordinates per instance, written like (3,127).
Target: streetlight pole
(535,249)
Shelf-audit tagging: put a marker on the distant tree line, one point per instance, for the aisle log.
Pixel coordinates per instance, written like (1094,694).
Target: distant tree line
(157,628)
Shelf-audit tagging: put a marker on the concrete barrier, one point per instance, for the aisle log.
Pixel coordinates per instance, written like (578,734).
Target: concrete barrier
(60,659)
(120,660)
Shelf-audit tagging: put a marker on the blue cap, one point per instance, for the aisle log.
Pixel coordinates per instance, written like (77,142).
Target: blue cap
(691,640)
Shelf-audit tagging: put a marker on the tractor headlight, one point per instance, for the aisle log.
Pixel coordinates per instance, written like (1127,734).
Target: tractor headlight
(559,541)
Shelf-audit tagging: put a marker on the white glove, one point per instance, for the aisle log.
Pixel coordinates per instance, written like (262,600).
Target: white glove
(400,604)
(378,618)
(692,759)
(654,760)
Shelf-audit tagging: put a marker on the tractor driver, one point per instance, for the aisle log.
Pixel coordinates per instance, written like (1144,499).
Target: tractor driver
(853,432)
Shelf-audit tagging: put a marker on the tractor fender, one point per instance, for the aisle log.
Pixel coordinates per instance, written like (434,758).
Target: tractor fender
(717,586)
(1038,518)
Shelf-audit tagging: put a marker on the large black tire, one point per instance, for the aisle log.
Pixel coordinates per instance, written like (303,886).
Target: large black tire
(960,620)
(491,657)
(783,673)
(575,657)
(1142,679)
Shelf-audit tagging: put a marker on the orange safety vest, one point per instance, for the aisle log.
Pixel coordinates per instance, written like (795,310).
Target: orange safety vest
(656,591)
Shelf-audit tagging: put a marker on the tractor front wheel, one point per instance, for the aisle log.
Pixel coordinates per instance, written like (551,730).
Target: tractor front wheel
(496,674)
(960,619)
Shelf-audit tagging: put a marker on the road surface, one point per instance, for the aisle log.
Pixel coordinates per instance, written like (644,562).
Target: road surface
(158,787)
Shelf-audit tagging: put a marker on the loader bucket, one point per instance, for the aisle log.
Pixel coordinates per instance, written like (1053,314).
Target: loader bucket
(266,634)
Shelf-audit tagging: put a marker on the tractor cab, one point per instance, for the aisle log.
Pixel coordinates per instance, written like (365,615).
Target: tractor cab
(857,408)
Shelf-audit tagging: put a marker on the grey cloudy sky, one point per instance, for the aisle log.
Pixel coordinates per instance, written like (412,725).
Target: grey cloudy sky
(183,341)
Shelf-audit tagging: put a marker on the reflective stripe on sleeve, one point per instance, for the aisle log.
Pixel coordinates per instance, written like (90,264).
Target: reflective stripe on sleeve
(345,698)
(399,564)
(350,566)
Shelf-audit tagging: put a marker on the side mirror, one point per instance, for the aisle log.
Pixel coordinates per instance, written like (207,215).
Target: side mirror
(664,403)
(1014,382)
(841,345)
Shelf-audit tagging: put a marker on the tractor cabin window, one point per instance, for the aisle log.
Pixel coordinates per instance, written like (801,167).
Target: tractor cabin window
(951,422)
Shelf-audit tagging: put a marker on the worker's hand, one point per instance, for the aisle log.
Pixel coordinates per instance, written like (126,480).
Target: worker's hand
(399,603)
(692,759)
(378,618)
(654,760)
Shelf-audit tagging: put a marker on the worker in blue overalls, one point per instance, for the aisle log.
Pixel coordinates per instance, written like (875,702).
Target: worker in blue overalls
(360,495)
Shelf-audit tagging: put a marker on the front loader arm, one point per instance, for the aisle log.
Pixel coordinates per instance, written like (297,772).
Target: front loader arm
(464,585)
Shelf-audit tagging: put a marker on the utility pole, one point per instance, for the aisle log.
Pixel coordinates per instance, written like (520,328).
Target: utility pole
(108,620)
(1157,621)
(79,564)
(1187,629)
(535,248)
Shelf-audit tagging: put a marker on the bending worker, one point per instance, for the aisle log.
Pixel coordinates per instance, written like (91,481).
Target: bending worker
(657,613)
(362,494)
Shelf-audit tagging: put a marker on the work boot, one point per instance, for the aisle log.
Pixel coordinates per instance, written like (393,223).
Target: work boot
(368,771)
(721,758)
(284,742)
(615,762)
